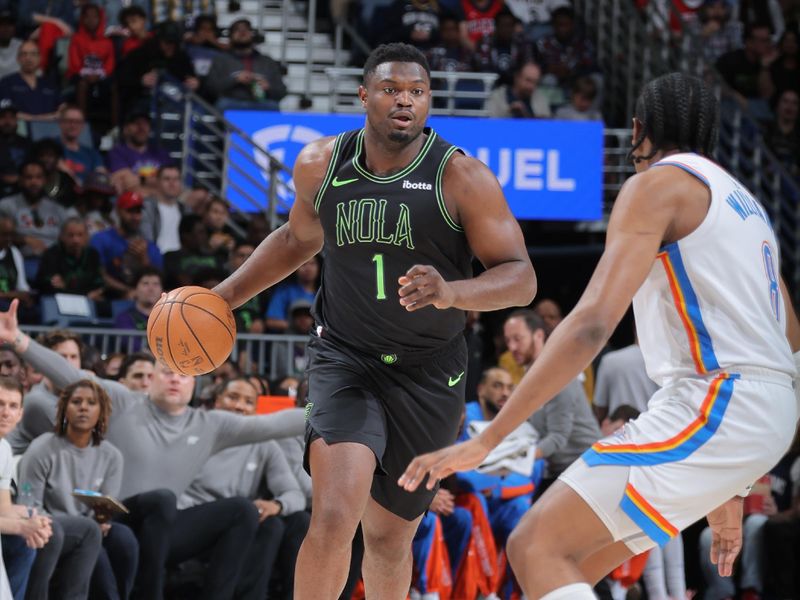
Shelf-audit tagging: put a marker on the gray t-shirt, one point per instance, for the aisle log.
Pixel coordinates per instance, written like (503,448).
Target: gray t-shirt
(622,379)
(53,467)
(38,417)
(566,428)
(49,215)
(246,471)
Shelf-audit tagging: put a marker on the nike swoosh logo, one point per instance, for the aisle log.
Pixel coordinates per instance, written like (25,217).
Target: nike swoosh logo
(452,381)
(337,183)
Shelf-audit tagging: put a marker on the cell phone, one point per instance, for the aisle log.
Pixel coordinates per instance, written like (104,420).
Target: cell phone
(99,502)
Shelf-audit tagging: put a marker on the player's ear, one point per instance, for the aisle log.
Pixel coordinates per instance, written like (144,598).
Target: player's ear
(362,95)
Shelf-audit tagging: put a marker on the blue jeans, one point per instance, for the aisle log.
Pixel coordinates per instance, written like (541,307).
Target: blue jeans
(18,559)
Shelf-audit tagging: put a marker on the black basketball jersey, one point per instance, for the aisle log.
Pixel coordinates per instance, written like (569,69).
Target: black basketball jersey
(376,228)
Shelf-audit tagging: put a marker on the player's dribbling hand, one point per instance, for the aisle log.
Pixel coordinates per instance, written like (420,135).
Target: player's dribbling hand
(726,535)
(438,465)
(422,285)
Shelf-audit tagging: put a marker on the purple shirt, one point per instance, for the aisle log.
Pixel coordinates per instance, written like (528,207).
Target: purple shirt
(144,164)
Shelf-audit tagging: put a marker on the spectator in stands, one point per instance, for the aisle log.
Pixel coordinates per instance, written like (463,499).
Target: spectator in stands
(522,99)
(250,315)
(79,160)
(535,16)
(76,456)
(581,105)
(505,48)
(269,483)
(46,21)
(768,12)
(136,371)
(746,70)
(450,53)
(716,31)
(91,61)
(147,289)
(12,365)
(203,45)
(26,88)
(37,218)
(785,70)
(411,21)
(181,266)
(567,53)
(123,249)
(303,287)
(243,77)
(477,19)
(622,380)
(160,464)
(13,148)
(111,365)
(565,424)
(71,266)
(300,323)
(59,185)
(221,237)
(94,202)
(783,134)
(158,59)
(9,45)
(257,229)
(23,533)
(133,20)
(134,161)
(164,210)
(13,281)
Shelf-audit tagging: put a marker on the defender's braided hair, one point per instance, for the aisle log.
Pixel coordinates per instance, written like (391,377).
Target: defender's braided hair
(677,112)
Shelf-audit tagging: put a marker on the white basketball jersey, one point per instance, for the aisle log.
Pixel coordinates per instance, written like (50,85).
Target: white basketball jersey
(712,300)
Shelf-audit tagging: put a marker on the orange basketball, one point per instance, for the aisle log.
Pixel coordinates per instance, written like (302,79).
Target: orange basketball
(191,330)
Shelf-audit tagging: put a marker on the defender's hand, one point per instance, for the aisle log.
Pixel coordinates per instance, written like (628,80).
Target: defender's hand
(726,535)
(422,285)
(438,465)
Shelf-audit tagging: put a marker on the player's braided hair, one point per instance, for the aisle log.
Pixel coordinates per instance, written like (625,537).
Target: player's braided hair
(394,52)
(677,112)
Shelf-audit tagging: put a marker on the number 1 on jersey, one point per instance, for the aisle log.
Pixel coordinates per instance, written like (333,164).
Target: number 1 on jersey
(381,288)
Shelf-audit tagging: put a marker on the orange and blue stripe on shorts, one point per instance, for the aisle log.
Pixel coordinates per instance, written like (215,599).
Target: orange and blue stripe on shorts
(649,520)
(679,446)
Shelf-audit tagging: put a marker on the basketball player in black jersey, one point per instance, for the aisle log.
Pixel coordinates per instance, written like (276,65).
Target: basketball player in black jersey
(399,213)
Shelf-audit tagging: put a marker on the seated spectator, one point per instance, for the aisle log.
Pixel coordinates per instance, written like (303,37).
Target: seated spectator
(79,160)
(158,58)
(450,53)
(123,250)
(581,105)
(134,161)
(94,203)
(303,287)
(147,289)
(221,237)
(257,228)
(250,315)
(13,148)
(136,371)
(242,77)
(112,364)
(47,21)
(716,31)
(622,380)
(37,218)
(182,266)
(91,61)
(133,20)
(535,16)
(783,134)
(59,185)
(410,21)
(9,45)
(768,12)
(503,49)
(38,95)
(785,70)
(162,211)
(92,548)
(13,283)
(522,99)
(746,70)
(203,45)
(567,53)
(292,361)
(23,532)
(477,19)
(269,484)
(71,266)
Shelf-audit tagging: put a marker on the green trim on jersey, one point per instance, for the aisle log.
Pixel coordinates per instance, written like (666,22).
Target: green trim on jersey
(391,178)
(329,172)
(440,195)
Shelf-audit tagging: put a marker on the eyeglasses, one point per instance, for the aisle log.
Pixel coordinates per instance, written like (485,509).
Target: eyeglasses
(37,218)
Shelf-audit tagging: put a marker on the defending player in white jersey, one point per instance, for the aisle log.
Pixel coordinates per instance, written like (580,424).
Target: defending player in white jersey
(697,255)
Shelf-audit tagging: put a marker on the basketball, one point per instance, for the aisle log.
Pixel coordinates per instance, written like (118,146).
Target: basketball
(191,330)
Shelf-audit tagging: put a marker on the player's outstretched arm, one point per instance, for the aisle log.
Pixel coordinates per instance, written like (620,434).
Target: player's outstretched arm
(640,222)
(476,203)
(292,244)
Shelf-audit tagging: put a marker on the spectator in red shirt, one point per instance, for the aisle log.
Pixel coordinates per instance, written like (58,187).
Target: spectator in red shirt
(477,19)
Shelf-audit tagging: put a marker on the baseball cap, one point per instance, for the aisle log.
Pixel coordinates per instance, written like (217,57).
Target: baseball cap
(135,115)
(129,200)
(299,304)
(98,181)
(7,104)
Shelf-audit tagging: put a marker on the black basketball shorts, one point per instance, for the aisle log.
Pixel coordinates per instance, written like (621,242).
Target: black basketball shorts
(399,405)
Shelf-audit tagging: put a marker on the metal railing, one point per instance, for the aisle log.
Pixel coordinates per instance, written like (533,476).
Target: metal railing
(272,354)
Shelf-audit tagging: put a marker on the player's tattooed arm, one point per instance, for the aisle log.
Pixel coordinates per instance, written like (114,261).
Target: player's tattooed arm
(292,244)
